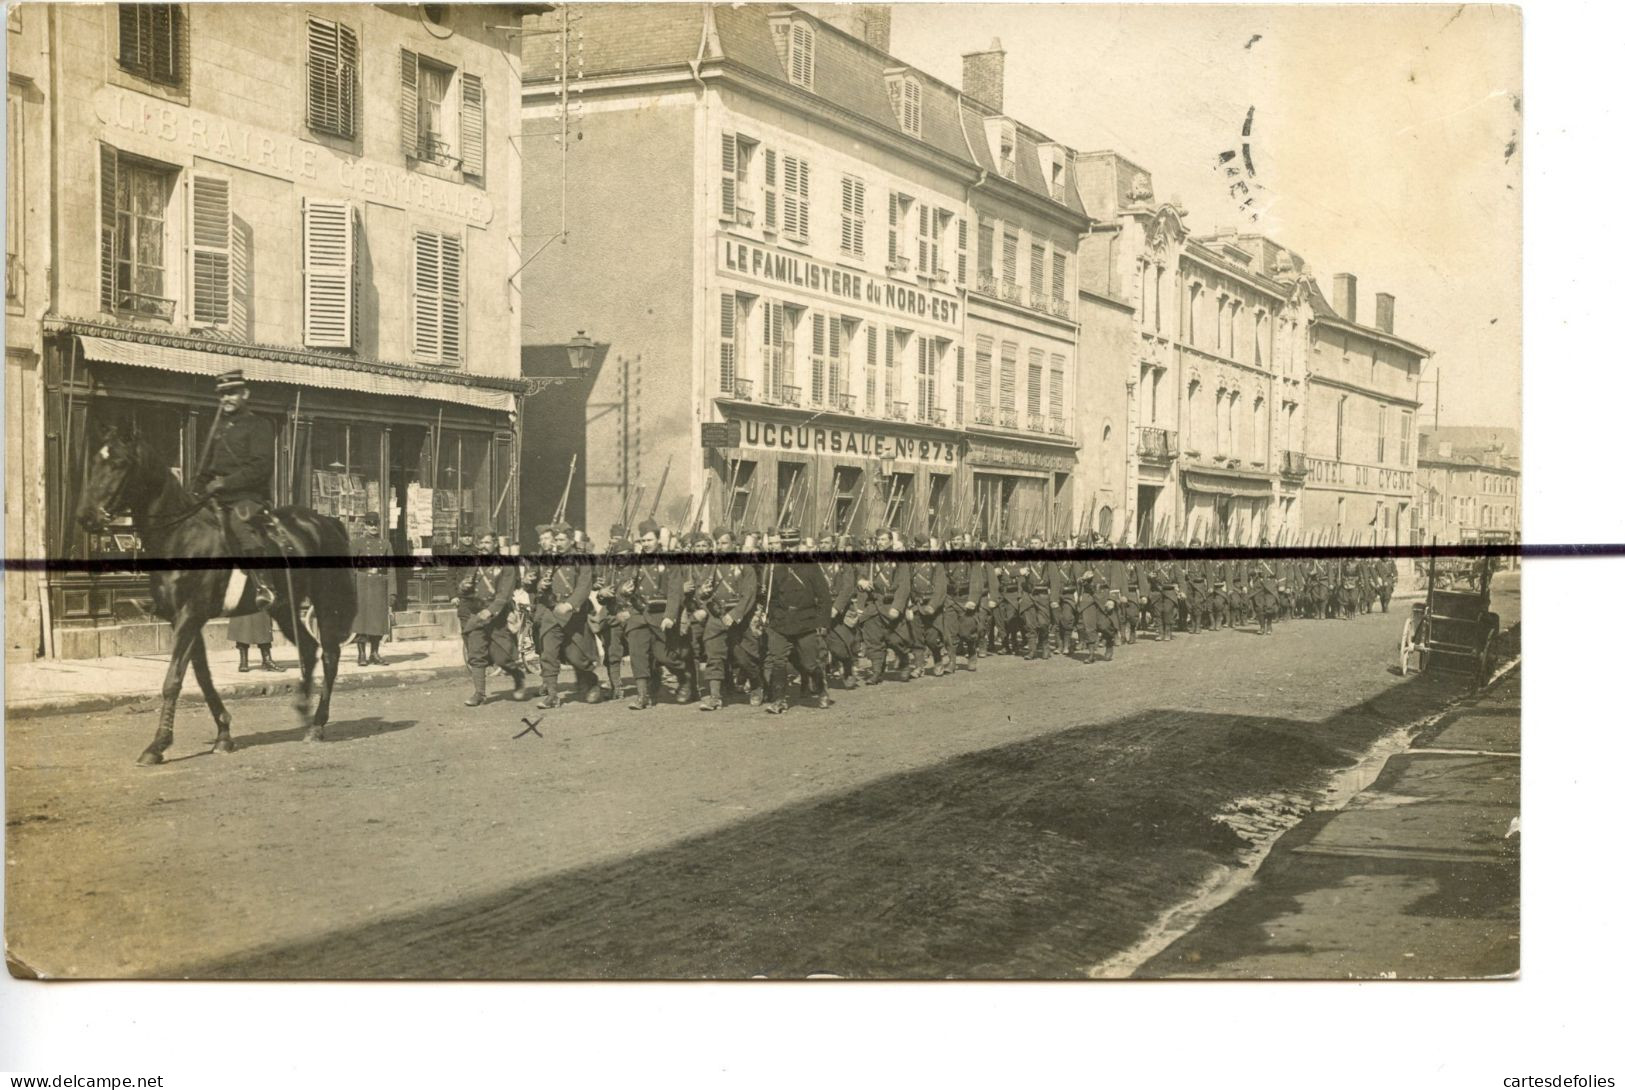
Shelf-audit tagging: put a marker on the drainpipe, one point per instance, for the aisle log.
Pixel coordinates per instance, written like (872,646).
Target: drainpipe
(703,275)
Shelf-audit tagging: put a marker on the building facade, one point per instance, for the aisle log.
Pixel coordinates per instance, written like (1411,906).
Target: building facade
(320,195)
(838,293)
(1468,487)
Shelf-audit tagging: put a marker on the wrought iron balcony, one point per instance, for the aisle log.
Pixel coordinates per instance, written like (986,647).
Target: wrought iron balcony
(983,414)
(1037,422)
(898,264)
(1159,444)
(1294,464)
(939,417)
(148,306)
(987,283)
(790,395)
(743,389)
(844,403)
(898,410)
(1010,292)
(744,215)
(1060,425)
(1009,418)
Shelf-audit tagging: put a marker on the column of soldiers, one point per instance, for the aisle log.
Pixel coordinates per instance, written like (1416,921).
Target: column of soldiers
(722,630)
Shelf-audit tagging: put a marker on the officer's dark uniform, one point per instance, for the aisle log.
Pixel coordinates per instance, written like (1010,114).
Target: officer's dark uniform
(880,616)
(559,630)
(1165,578)
(240,465)
(1198,606)
(727,594)
(798,604)
(608,621)
(655,593)
(1040,583)
(483,606)
(966,586)
(841,638)
(928,594)
(1264,595)
(1096,608)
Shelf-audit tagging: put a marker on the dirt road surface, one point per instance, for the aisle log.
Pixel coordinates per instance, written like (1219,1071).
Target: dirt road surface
(1026,820)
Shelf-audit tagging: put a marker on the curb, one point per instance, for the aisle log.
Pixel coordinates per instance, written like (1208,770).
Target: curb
(87,702)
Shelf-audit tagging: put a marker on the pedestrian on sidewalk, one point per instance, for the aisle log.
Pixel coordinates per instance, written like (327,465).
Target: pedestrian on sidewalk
(252,629)
(372,595)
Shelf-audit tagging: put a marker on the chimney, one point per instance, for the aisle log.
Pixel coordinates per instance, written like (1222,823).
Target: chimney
(870,22)
(984,76)
(1385,312)
(1344,299)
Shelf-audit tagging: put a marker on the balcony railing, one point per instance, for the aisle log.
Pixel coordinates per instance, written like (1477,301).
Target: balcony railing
(148,306)
(1159,444)
(1010,292)
(1060,425)
(790,395)
(1009,418)
(744,215)
(983,414)
(937,416)
(898,410)
(1294,464)
(898,264)
(844,403)
(1037,422)
(743,389)
(987,283)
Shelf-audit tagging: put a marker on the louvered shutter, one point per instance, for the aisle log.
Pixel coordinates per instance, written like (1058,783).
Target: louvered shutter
(109,224)
(922,384)
(165,41)
(730,163)
(471,127)
(852,200)
(426,309)
(1058,281)
(451,299)
(964,245)
(984,370)
(873,360)
(925,239)
(891,368)
(1007,377)
(410,143)
(211,251)
(325,69)
(837,333)
(804,228)
(892,211)
(818,348)
(770,189)
(329,303)
(795,197)
(801,56)
(729,361)
(911,106)
(1057,377)
(129,35)
(1035,381)
(1036,270)
(959,384)
(349,55)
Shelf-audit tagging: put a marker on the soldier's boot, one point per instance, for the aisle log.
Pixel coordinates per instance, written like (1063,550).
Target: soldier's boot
(587,687)
(685,689)
(712,700)
(517,673)
(550,693)
(1043,643)
(821,686)
(360,651)
(1089,650)
(643,699)
(905,669)
(614,672)
(757,695)
(1110,646)
(970,657)
(242,659)
(476,674)
(776,704)
(265,660)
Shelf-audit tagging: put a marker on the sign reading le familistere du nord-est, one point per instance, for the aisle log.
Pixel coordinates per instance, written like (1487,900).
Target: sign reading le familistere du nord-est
(772,266)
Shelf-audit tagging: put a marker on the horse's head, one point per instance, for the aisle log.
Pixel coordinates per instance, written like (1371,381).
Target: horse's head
(114,464)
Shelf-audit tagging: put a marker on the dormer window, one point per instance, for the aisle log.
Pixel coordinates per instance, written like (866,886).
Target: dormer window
(1007,148)
(795,39)
(905,101)
(1053,159)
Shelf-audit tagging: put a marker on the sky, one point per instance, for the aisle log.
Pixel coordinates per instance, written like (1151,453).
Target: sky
(1388,143)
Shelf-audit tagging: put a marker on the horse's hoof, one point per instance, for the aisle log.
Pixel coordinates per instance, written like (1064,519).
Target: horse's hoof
(148,757)
(224,745)
(314,734)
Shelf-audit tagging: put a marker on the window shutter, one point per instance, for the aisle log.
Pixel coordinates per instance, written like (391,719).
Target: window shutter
(165,42)
(349,55)
(471,127)
(795,197)
(911,106)
(922,384)
(451,299)
(211,251)
(409,103)
(321,70)
(329,303)
(1007,377)
(891,368)
(801,55)
(426,311)
(892,216)
(984,370)
(1035,381)
(770,189)
(959,384)
(964,245)
(729,362)
(730,163)
(873,357)
(109,218)
(924,239)
(129,35)
(837,333)
(1037,270)
(1057,284)
(1011,242)
(1057,376)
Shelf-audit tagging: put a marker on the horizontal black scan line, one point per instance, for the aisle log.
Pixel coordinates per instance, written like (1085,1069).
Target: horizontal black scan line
(144,564)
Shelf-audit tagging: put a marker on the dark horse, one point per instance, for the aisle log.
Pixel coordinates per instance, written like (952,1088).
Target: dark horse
(124,474)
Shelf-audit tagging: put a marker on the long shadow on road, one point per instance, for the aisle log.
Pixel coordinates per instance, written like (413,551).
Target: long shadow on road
(1035,859)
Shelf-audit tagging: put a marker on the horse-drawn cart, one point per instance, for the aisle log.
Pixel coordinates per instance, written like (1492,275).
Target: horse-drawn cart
(1452,630)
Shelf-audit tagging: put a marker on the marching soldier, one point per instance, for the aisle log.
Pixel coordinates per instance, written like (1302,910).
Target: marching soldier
(1164,576)
(1238,599)
(928,596)
(1348,588)
(610,608)
(1198,604)
(798,604)
(1097,608)
(1039,583)
(1264,598)
(1068,604)
(841,637)
(727,597)
(966,588)
(1120,592)
(1008,610)
(484,604)
(559,622)
(1387,579)
(883,593)
(655,594)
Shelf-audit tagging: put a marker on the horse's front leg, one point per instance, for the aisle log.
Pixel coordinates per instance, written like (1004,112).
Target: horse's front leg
(187,636)
(217,707)
(307,671)
(331,652)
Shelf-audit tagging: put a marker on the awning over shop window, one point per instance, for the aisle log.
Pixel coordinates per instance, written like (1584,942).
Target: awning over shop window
(1232,487)
(198,362)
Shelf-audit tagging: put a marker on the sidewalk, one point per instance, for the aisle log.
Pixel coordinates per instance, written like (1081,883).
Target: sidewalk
(49,686)
(1416,878)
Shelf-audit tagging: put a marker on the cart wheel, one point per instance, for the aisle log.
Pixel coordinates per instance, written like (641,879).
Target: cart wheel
(1409,647)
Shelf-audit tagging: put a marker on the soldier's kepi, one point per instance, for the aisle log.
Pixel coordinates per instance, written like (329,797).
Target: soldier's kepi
(238,463)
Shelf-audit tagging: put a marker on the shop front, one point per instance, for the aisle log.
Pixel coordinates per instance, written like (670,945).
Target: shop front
(1019,490)
(847,477)
(1230,507)
(431,456)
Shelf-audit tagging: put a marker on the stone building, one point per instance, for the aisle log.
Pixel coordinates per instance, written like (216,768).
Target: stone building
(1468,487)
(833,286)
(320,195)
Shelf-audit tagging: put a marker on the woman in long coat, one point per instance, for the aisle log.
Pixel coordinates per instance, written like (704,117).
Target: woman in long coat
(248,630)
(372,596)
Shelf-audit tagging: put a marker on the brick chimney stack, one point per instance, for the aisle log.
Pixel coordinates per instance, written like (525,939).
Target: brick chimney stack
(984,76)
(1385,312)
(869,22)
(1344,298)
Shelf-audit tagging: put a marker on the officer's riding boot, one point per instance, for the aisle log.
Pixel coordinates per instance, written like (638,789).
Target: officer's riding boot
(587,685)
(712,700)
(242,658)
(642,700)
(476,674)
(550,693)
(265,660)
(776,704)
(821,689)
(685,687)
(1088,648)
(361,650)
